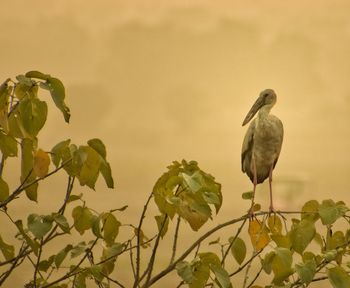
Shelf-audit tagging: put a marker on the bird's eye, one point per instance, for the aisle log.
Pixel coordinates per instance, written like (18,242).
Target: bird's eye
(266,94)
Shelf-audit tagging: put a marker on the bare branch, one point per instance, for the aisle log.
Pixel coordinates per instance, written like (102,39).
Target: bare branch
(175,239)
(138,250)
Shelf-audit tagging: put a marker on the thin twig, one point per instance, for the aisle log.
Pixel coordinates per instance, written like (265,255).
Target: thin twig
(138,250)
(24,186)
(73,272)
(246,276)
(195,244)
(154,251)
(2,164)
(37,263)
(231,242)
(246,263)
(112,280)
(17,261)
(132,261)
(176,235)
(255,277)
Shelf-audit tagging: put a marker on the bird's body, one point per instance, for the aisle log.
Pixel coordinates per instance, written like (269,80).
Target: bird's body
(263,141)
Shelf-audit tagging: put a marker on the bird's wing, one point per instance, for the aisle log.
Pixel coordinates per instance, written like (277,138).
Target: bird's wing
(279,123)
(248,145)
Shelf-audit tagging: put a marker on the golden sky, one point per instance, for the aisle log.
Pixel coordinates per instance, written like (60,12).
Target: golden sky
(159,81)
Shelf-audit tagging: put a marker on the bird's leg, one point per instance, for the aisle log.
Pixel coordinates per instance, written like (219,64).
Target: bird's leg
(272,210)
(255,181)
(270,184)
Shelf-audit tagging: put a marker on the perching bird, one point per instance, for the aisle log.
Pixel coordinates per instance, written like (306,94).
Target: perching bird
(262,142)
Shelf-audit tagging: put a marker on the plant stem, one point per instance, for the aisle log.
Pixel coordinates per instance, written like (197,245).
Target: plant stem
(175,239)
(138,250)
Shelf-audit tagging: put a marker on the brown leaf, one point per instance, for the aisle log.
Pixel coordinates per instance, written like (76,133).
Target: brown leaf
(258,235)
(41,163)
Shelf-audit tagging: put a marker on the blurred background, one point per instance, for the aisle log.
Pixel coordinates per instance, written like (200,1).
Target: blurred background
(159,81)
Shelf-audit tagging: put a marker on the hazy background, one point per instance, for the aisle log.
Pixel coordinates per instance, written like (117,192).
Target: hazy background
(159,81)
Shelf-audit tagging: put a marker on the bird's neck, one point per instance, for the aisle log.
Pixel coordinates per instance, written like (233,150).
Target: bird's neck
(264,111)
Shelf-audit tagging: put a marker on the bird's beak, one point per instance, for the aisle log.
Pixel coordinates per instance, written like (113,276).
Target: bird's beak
(255,108)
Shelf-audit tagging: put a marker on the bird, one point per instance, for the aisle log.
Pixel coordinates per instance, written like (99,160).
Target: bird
(262,142)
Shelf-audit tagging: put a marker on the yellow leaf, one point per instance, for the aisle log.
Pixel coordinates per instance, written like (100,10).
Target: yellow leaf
(41,163)
(258,235)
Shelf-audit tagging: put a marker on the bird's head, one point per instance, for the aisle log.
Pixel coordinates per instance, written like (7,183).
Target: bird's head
(266,98)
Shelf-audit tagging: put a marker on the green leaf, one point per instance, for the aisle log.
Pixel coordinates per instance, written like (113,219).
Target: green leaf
(282,265)
(98,146)
(106,172)
(27,174)
(301,235)
(310,210)
(38,75)
(39,225)
(32,243)
(211,198)
(44,265)
(80,280)
(193,181)
(238,249)
(82,219)
(58,150)
(15,123)
(110,228)
(59,258)
(8,145)
(96,272)
(306,271)
(266,263)
(275,224)
(248,195)
(338,277)
(91,161)
(7,250)
(330,211)
(281,240)
(184,270)
(33,113)
(162,226)
(4,190)
(96,227)
(25,80)
(5,92)
(78,249)
(221,276)
(58,94)
(61,222)
(110,253)
(73,198)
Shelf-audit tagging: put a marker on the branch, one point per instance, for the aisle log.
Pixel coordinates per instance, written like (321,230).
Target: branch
(37,263)
(246,263)
(138,252)
(231,243)
(175,239)
(24,186)
(255,277)
(17,261)
(73,272)
(154,251)
(195,244)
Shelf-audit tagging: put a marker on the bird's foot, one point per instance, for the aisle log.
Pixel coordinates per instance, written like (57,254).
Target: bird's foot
(274,212)
(251,214)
